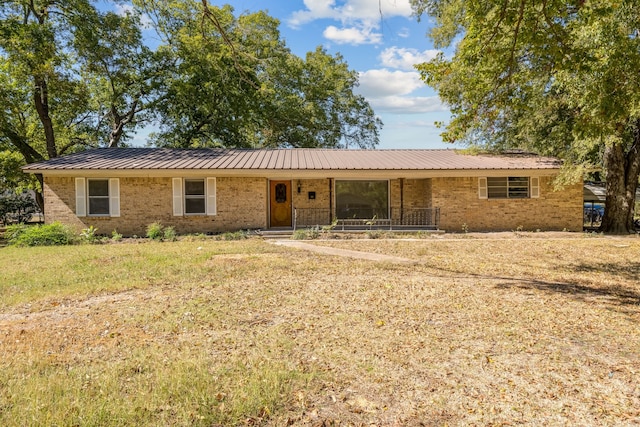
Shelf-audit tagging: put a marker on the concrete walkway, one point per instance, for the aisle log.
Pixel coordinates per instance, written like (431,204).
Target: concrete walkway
(342,252)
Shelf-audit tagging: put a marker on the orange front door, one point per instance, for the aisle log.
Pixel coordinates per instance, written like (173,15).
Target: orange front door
(280,203)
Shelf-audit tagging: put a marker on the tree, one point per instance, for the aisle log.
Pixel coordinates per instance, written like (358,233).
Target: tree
(121,72)
(234,83)
(67,73)
(558,77)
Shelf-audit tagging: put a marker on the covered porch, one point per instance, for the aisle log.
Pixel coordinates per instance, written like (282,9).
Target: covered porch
(398,219)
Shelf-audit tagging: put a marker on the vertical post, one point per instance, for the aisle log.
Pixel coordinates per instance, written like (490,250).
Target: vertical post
(330,202)
(401,201)
(295,218)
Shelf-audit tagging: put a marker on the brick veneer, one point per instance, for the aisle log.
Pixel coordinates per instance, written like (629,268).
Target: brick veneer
(242,203)
(460,205)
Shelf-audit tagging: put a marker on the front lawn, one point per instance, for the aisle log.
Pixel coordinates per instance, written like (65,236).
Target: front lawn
(523,329)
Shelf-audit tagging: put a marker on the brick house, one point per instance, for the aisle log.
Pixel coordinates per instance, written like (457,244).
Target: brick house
(216,190)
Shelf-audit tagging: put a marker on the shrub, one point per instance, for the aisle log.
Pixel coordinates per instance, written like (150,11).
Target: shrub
(236,235)
(54,234)
(169,234)
(155,231)
(306,233)
(17,208)
(115,236)
(88,235)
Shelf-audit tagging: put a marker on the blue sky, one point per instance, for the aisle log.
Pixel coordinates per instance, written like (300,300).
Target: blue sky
(381,41)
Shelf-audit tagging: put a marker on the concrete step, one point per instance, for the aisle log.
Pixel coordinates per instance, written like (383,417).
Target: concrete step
(276,234)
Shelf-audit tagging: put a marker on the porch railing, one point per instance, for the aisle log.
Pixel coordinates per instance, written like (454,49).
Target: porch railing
(407,218)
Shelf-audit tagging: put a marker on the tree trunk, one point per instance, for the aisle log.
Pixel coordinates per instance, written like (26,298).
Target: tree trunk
(41,101)
(623,169)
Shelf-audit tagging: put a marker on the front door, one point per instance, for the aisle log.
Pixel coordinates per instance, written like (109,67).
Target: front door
(280,203)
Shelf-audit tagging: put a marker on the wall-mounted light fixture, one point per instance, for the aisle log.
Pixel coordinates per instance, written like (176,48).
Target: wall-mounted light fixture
(299,186)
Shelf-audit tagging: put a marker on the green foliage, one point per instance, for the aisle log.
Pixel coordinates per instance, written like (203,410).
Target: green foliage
(12,179)
(311,233)
(555,78)
(54,234)
(155,231)
(88,235)
(115,236)
(169,234)
(17,208)
(235,235)
(235,83)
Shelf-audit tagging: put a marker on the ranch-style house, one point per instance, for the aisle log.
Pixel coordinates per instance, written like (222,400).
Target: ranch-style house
(217,190)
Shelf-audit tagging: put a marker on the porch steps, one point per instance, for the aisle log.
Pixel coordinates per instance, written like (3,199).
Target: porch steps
(276,234)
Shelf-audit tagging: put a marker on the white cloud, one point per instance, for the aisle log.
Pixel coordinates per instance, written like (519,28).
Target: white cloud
(378,83)
(411,105)
(389,91)
(405,58)
(355,36)
(348,11)
(404,33)
(355,16)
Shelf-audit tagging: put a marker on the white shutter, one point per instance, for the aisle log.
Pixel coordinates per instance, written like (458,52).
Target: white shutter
(177,196)
(482,188)
(535,187)
(211,196)
(114,197)
(81,197)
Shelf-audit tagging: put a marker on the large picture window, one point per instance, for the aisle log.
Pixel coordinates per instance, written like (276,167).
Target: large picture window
(362,199)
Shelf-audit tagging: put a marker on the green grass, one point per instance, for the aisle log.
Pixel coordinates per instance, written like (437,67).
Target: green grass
(32,274)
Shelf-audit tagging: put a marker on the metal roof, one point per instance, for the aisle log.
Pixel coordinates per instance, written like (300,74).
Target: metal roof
(597,192)
(296,159)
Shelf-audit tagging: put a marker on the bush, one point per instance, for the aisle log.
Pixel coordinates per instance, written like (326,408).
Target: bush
(17,208)
(169,234)
(236,235)
(155,231)
(306,234)
(54,234)
(88,235)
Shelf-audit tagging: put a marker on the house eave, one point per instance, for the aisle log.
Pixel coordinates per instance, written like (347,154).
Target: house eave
(295,173)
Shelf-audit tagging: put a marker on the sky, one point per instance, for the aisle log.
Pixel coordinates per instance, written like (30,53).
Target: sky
(381,41)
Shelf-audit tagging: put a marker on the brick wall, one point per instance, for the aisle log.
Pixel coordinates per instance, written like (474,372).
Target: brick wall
(459,204)
(241,204)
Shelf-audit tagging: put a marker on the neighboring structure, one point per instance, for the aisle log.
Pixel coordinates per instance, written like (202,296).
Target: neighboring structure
(216,190)
(595,195)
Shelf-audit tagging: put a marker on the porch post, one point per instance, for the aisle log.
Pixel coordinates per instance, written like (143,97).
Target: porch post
(330,202)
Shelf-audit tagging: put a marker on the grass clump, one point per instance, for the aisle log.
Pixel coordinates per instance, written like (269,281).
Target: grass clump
(234,235)
(156,231)
(55,234)
(306,233)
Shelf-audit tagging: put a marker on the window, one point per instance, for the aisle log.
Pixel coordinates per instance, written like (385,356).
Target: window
(362,199)
(194,196)
(194,202)
(98,192)
(97,197)
(512,187)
